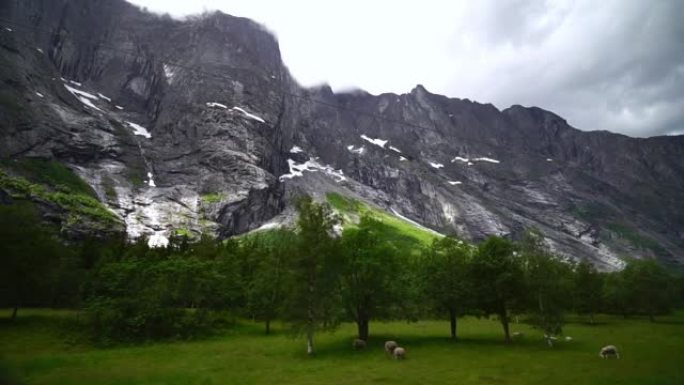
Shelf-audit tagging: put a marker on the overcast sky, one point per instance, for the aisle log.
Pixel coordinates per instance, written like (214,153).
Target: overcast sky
(614,65)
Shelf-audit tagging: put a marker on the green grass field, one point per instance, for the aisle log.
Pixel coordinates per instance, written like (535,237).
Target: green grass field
(45,347)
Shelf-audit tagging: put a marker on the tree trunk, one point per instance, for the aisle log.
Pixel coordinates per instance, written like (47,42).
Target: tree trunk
(591,318)
(268,326)
(362,326)
(452,319)
(309,342)
(14,312)
(504,323)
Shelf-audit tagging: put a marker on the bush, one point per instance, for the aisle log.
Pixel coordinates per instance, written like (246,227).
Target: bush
(139,299)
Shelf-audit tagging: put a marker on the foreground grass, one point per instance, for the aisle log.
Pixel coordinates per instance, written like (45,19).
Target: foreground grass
(43,348)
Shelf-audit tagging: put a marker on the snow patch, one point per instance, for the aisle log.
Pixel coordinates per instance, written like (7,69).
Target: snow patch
(248,115)
(337,229)
(104,97)
(39,50)
(297,169)
(455,182)
(158,239)
(354,150)
(402,159)
(40,95)
(79,93)
(460,159)
(436,165)
(395,149)
(377,142)
(484,159)
(214,104)
(119,107)
(150,182)
(268,226)
(168,72)
(296,150)
(549,160)
(77,84)
(8,29)
(139,130)
(88,103)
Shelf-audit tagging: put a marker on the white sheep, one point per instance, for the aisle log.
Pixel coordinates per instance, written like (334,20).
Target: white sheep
(568,338)
(399,353)
(390,346)
(517,334)
(550,339)
(359,344)
(609,351)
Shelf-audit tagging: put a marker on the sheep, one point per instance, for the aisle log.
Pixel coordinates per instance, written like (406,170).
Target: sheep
(399,353)
(550,339)
(568,338)
(390,346)
(359,344)
(609,351)
(517,334)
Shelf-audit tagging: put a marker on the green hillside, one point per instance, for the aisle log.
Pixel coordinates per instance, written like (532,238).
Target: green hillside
(404,235)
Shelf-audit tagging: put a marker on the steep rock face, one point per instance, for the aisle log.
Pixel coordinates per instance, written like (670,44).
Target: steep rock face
(132,102)
(197,126)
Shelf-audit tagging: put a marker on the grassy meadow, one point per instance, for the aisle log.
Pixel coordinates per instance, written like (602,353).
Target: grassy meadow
(48,347)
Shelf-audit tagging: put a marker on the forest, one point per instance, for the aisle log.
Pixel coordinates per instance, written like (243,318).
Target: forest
(311,278)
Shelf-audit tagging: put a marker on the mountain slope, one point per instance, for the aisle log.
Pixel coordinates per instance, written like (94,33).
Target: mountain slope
(197,126)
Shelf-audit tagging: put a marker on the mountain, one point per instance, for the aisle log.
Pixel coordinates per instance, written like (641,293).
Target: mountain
(197,126)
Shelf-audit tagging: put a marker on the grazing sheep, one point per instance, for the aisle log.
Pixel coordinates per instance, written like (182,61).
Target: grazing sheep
(517,334)
(399,353)
(359,344)
(568,338)
(609,351)
(390,346)
(550,339)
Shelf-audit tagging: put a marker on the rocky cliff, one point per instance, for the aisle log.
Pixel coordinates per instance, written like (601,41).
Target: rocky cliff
(196,126)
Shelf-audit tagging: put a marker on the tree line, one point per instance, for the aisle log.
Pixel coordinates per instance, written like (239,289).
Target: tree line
(312,279)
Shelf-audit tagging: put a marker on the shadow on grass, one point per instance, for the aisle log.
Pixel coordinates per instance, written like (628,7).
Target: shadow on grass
(341,346)
(668,321)
(57,320)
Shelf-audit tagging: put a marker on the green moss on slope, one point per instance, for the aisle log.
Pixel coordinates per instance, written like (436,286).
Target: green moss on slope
(404,235)
(75,202)
(635,238)
(50,173)
(213,197)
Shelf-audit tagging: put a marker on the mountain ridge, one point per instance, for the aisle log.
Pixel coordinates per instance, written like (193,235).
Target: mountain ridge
(223,114)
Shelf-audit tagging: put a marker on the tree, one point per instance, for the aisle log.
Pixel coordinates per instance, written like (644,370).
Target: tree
(141,298)
(616,294)
(446,277)
(29,253)
(498,279)
(587,289)
(649,287)
(369,274)
(312,303)
(547,280)
(679,291)
(265,290)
